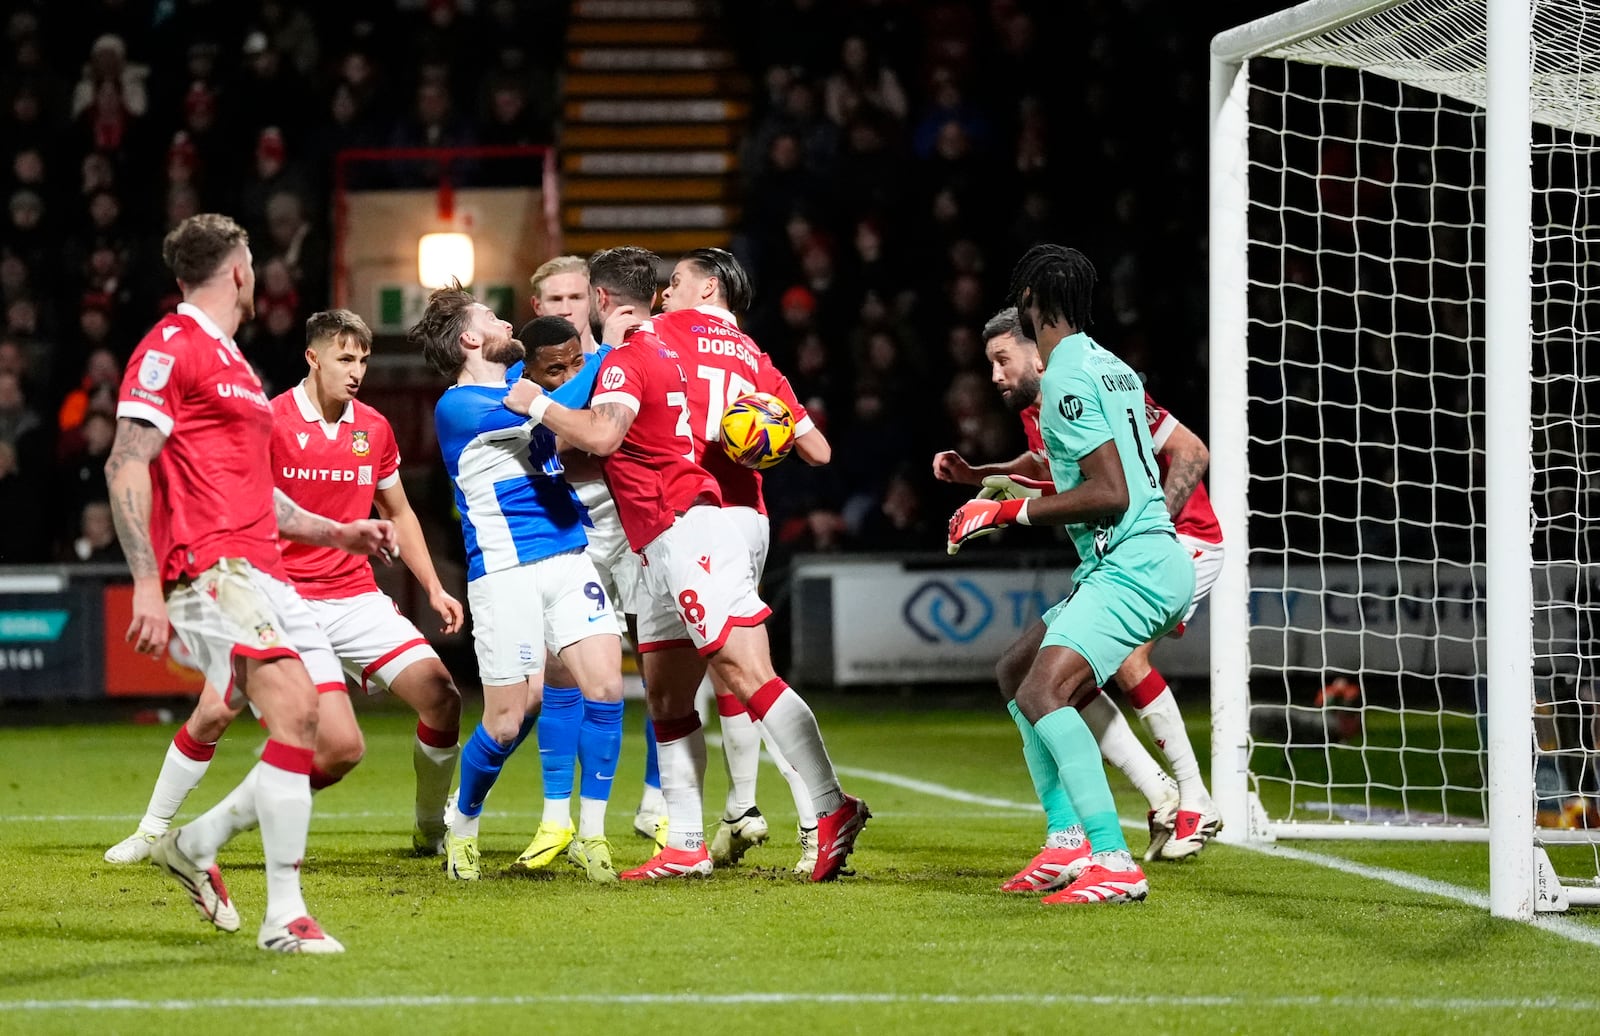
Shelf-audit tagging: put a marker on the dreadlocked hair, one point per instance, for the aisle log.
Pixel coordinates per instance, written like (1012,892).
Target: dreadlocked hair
(1060,280)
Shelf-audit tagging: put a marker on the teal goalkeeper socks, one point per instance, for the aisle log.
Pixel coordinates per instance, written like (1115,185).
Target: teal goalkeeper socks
(1077,758)
(1058,811)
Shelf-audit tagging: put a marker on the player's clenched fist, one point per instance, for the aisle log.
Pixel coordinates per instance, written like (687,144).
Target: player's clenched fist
(980,517)
(949,466)
(520,399)
(370,536)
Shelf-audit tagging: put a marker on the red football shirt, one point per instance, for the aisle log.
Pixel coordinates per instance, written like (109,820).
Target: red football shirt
(723,363)
(1030,430)
(211,484)
(655,475)
(1196,519)
(333,470)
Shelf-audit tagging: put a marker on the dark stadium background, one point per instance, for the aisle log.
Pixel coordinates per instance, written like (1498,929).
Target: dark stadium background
(879,210)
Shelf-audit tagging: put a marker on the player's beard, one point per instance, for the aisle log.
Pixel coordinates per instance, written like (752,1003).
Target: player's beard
(1025,395)
(505,352)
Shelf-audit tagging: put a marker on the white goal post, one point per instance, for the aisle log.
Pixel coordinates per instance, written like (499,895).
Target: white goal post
(1405,431)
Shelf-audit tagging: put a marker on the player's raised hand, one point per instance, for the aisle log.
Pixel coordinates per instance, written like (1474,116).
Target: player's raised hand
(950,467)
(148,632)
(1014,487)
(979,518)
(520,399)
(622,320)
(374,536)
(449,610)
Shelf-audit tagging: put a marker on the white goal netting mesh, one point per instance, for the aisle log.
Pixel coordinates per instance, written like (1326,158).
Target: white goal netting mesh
(1367,428)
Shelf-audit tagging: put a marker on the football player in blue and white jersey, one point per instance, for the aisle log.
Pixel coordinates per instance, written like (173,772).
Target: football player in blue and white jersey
(530,585)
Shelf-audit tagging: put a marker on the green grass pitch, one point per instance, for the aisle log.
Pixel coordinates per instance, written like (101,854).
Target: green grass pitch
(919,940)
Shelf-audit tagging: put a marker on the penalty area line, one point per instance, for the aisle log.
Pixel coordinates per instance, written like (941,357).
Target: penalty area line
(1354,1003)
(1555,925)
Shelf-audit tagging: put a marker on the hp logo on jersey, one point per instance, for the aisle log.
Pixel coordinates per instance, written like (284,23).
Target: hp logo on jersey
(612,378)
(1071,407)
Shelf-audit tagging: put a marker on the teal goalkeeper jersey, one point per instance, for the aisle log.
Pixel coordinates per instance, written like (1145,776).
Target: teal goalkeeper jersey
(1089,397)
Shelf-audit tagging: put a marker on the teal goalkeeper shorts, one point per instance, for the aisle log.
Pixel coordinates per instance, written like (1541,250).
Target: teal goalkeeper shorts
(1138,592)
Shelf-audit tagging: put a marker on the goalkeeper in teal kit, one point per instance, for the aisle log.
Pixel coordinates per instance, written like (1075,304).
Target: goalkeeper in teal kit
(1133,582)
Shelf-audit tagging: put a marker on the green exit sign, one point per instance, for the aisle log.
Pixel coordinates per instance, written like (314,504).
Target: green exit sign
(399,306)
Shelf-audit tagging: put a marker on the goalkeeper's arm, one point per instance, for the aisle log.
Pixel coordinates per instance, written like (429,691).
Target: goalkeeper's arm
(950,466)
(1102,494)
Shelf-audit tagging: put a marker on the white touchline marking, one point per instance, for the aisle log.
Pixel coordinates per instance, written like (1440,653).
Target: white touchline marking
(1555,925)
(942,791)
(1564,927)
(131,818)
(1354,1002)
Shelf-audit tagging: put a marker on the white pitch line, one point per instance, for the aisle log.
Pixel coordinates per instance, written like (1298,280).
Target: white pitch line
(1354,1003)
(943,791)
(1560,926)
(1555,925)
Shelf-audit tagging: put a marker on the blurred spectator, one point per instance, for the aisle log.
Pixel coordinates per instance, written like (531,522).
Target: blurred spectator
(268,94)
(271,173)
(292,238)
(97,536)
(17,418)
(432,122)
(290,31)
(23,523)
(898,518)
(862,82)
(82,476)
(102,375)
(108,64)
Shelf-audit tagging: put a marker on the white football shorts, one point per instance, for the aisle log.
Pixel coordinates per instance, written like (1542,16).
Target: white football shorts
(373,640)
(518,613)
(234,610)
(698,584)
(756,532)
(616,562)
(1207,558)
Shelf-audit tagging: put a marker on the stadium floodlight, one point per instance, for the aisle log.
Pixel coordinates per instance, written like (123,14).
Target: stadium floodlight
(1405,296)
(444,257)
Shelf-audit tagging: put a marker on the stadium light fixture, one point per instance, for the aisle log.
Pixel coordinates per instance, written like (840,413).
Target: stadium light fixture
(445,255)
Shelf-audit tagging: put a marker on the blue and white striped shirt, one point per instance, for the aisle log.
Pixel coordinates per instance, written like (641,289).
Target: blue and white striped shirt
(515,505)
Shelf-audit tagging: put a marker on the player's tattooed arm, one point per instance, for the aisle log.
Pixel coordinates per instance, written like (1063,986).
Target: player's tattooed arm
(367,536)
(598,430)
(300,525)
(128,482)
(1187,459)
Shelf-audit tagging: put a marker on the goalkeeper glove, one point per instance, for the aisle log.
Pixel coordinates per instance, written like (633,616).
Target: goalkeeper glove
(981,517)
(1014,487)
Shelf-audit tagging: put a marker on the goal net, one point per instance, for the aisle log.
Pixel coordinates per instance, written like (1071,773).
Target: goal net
(1353,429)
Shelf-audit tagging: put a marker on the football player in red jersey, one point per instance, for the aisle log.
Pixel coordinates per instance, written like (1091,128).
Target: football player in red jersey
(722,363)
(1184,819)
(700,602)
(336,456)
(190,476)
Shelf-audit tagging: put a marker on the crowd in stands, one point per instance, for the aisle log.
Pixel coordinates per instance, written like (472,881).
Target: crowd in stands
(901,156)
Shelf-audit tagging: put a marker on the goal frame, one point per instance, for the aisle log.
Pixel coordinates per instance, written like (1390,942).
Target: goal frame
(1513,856)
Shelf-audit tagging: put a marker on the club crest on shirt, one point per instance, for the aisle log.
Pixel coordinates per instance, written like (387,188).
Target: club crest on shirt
(265,634)
(155,370)
(359,444)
